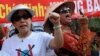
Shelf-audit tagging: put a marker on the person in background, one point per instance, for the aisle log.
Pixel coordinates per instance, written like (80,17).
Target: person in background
(96,45)
(27,42)
(38,26)
(11,31)
(2,35)
(94,26)
(75,43)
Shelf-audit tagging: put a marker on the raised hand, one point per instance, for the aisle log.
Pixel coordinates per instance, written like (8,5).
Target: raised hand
(82,18)
(54,18)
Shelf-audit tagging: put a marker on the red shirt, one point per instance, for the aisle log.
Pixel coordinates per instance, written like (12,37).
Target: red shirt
(80,46)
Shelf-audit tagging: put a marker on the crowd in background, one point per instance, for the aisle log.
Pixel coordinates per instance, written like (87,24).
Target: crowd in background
(81,36)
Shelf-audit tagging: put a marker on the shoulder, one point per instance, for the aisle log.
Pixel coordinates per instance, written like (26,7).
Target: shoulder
(10,39)
(40,33)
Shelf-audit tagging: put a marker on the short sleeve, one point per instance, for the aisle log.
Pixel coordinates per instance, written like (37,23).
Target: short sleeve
(47,38)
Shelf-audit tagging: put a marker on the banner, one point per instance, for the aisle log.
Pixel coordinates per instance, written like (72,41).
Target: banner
(88,7)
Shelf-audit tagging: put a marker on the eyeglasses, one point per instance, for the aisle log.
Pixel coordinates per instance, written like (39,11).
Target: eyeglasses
(19,17)
(64,10)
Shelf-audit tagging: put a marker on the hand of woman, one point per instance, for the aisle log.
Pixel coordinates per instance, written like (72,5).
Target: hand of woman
(83,20)
(54,18)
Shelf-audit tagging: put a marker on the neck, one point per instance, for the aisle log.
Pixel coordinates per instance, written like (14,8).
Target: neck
(24,34)
(65,28)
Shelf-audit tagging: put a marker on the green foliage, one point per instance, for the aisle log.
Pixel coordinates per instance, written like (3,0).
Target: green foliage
(94,24)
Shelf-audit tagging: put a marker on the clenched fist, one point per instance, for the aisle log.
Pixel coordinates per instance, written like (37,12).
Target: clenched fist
(54,18)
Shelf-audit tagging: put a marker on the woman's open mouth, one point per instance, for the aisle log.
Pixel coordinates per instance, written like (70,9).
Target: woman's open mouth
(68,17)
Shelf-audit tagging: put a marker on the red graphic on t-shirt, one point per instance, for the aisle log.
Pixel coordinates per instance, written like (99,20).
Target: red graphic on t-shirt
(25,52)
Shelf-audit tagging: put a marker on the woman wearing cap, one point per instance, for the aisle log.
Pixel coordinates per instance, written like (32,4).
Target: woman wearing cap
(28,43)
(74,44)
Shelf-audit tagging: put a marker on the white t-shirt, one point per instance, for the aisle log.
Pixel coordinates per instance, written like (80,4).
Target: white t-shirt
(2,53)
(50,52)
(16,47)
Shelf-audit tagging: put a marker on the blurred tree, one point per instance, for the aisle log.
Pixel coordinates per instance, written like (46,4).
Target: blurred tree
(94,24)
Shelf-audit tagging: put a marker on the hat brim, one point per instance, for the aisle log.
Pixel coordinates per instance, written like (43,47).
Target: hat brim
(19,7)
(12,12)
(52,8)
(70,5)
(48,26)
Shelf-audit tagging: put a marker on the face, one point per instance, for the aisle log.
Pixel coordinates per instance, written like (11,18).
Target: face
(22,21)
(65,14)
(97,39)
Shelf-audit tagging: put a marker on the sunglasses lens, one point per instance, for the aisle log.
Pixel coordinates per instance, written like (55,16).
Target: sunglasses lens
(26,16)
(18,17)
(65,10)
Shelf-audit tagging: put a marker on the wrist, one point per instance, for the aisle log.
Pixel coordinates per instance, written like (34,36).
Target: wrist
(56,26)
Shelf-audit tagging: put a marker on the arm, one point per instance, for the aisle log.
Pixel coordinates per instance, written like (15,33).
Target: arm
(57,41)
(86,36)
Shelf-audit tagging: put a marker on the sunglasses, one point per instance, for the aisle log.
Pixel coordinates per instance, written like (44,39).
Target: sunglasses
(64,10)
(19,17)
